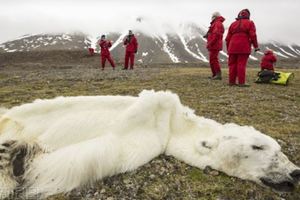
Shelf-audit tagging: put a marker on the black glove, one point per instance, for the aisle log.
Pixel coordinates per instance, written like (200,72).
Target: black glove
(257,49)
(135,51)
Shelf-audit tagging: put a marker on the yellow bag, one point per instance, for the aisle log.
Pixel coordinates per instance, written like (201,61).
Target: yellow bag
(282,78)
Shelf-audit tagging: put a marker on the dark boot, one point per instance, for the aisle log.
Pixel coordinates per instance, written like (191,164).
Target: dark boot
(243,85)
(218,76)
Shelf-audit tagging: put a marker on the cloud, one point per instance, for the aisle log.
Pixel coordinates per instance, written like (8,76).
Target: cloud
(274,19)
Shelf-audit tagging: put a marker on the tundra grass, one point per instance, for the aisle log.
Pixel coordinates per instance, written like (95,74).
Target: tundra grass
(272,109)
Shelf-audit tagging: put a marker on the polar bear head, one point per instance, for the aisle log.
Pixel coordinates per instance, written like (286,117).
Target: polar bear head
(246,153)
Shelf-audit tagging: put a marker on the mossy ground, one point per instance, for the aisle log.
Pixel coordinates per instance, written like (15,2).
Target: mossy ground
(272,109)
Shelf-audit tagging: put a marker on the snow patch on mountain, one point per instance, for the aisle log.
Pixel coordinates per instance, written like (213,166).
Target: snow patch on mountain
(66,37)
(92,41)
(24,37)
(284,51)
(200,53)
(11,50)
(156,37)
(224,54)
(168,50)
(278,53)
(253,58)
(202,58)
(118,41)
(294,50)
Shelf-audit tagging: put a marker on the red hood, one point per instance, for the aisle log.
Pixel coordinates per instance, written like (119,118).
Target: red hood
(244,14)
(268,52)
(219,18)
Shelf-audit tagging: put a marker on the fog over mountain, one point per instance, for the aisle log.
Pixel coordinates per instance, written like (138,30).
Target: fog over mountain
(274,19)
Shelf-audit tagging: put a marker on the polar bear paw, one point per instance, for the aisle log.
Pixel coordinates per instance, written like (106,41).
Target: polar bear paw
(11,169)
(5,152)
(12,157)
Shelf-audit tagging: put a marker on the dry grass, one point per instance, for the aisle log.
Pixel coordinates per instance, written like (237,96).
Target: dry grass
(272,109)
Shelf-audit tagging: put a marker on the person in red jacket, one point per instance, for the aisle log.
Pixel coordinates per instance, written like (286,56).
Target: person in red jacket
(105,54)
(91,51)
(215,44)
(268,61)
(131,44)
(241,35)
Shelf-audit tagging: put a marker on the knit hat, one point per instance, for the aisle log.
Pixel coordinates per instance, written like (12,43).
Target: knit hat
(215,15)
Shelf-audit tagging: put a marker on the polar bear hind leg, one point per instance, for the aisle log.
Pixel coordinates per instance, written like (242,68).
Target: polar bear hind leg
(7,181)
(14,158)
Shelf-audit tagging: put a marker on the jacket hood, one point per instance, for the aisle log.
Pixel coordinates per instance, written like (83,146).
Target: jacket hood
(219,18)
(267,52)
(243,14)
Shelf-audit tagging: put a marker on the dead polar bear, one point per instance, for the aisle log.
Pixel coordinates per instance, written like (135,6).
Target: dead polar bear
(54,146)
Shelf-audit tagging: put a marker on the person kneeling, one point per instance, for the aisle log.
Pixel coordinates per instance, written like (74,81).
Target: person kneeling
(267,67)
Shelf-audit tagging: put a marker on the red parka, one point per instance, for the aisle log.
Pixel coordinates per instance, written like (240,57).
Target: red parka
(131,44)
(241,34)
(105,45)
(215,34)
(268,60)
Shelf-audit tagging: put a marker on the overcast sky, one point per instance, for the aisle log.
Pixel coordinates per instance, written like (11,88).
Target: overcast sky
(275,19)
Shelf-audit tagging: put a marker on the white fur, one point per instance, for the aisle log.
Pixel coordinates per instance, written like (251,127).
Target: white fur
(87,138)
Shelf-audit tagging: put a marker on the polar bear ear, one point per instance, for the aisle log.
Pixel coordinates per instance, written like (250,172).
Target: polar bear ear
(206,146)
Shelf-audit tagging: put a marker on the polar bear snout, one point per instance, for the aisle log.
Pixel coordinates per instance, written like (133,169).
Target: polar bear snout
(287,185)
(282,182)
(295,175)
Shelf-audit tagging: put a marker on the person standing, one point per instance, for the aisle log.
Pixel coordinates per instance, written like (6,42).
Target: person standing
(105,54)
(241,35)
(91,51)
(215,44)
(131,44)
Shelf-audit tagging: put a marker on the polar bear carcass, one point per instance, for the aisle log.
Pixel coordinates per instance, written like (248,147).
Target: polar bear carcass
(53,146)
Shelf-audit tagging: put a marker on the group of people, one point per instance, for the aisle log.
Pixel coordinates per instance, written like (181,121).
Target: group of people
(240,37)
(131,44)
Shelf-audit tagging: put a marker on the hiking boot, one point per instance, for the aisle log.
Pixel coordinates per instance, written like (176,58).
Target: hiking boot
(218,76)
(243,85)
(232,84)
(124,68)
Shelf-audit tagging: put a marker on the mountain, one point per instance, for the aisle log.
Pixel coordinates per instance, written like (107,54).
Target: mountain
(185,45)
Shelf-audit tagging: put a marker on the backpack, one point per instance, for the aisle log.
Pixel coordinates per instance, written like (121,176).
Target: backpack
(268,76)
